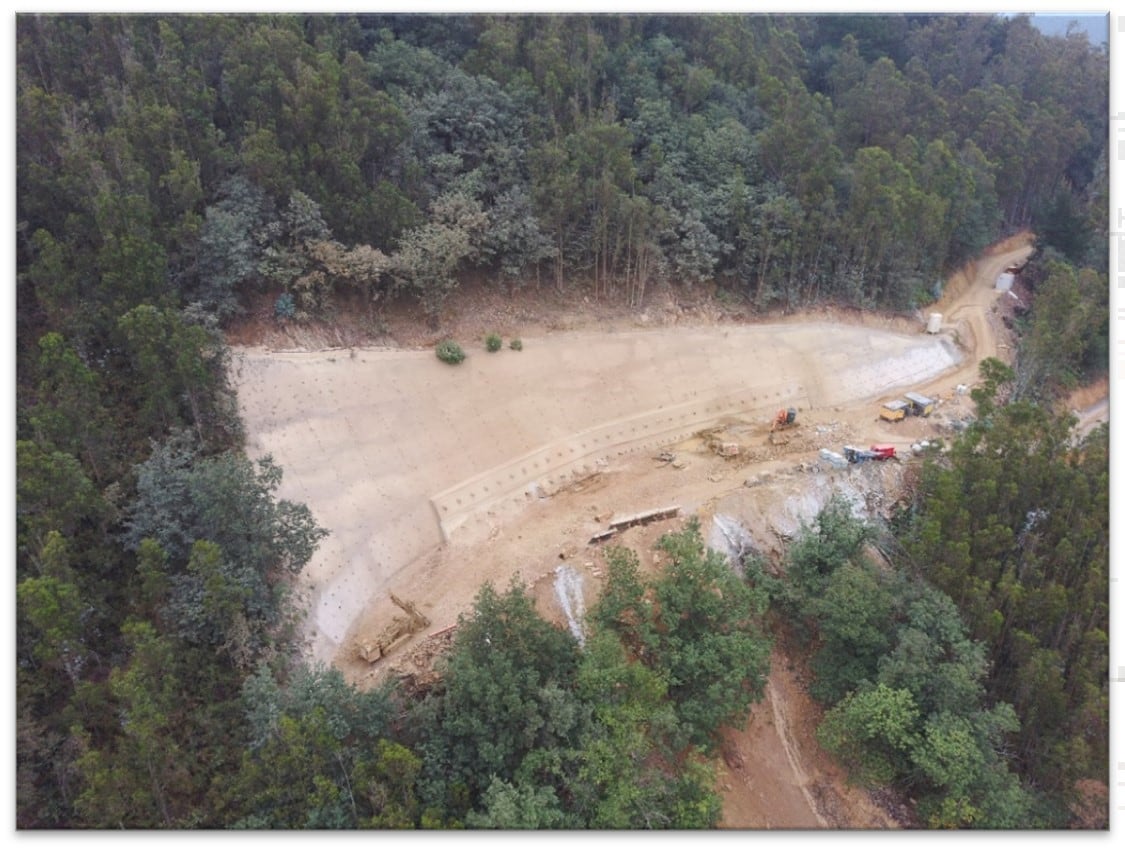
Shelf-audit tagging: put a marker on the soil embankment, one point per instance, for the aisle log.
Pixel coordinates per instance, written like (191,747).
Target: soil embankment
(433,480)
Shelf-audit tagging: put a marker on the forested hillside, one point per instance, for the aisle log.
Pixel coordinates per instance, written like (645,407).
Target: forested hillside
(174,172)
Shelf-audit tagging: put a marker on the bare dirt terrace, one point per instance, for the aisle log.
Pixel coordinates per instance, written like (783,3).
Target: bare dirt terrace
(435,479)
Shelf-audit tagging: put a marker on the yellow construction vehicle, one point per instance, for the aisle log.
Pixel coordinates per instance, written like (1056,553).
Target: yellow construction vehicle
(894,410)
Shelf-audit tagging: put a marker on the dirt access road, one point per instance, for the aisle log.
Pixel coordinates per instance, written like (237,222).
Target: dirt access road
(434,479)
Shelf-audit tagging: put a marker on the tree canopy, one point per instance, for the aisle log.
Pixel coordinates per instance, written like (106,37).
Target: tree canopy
(787,159)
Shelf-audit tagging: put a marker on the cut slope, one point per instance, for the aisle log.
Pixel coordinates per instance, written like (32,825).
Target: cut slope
(393,450)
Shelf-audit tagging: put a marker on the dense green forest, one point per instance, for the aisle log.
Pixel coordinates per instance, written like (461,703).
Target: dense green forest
(174,172)
(969,666)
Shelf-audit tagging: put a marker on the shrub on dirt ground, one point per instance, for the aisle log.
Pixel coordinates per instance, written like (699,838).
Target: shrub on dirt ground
(493,342)
(449,352)
(516,345)
(284,307)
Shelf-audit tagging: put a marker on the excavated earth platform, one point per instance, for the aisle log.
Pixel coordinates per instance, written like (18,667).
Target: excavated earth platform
(394,451)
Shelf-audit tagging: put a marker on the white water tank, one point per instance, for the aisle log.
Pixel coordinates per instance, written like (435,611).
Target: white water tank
(934,325)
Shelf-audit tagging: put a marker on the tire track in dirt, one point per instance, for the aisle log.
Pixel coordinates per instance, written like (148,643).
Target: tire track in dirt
(781,722)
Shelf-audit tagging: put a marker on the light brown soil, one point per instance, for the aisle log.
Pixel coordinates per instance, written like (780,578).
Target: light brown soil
(435,479)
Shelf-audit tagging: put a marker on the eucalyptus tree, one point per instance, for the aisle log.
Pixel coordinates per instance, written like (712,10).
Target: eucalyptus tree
(1014,529)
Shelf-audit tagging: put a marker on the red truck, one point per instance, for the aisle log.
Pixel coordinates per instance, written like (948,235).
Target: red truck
(877,452)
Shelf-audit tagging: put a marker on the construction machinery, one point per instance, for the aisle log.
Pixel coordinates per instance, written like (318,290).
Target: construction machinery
(783,419)
(877,452)
(857,456)
(786,418)
(910,405)
(894,410)
(920,406)
(396,632)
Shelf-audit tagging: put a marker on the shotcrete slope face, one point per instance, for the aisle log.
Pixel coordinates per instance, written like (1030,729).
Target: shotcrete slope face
(395,451)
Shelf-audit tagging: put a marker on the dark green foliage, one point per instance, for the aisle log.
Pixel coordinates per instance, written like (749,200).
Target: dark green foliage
(1067,338)
(225,537)
(515,241)
(348,712)
(853,617)
(623,606)
(623,783)
(68,413)
(285,307)
(136,781)
(871,731)
(318,758)
(1064,228)
(229,247)
(493,342)
(971,690)
(905,683)
(53,607)
(791,161)
(449,352)
(309,777)
(529,731)
(526,807)
(1014,528)
(831,591)
(507,697)
(834,539)
(150,740)
(53,494)
(933,658)
(708,644)
(175,373)
(697,627)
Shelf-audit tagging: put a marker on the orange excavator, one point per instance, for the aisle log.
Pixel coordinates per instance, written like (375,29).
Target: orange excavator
(783,419)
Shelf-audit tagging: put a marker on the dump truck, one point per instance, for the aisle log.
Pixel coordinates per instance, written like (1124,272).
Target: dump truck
(894,410)
(877,452)
(920,406)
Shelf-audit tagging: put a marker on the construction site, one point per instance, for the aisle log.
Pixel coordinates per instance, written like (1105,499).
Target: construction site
(433,480)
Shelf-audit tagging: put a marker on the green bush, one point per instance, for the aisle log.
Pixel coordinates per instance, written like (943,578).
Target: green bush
(493,342)
(284,307)
(449,352)
(516,345)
